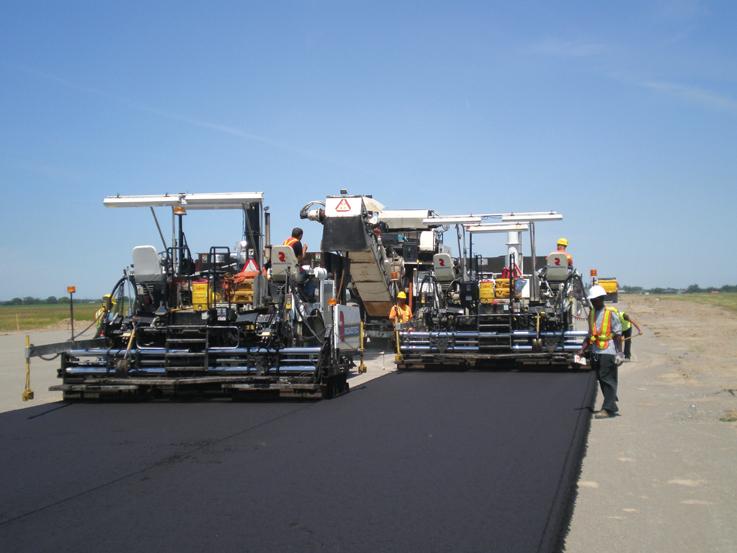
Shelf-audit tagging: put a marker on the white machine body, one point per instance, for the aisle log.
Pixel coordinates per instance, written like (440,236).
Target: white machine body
(283,262)
(146,264)
(346,327)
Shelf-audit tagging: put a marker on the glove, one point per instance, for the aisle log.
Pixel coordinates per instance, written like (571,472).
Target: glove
(619,358)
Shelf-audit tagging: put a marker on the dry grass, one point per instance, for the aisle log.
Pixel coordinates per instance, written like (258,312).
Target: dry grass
(34,317)
(727,300)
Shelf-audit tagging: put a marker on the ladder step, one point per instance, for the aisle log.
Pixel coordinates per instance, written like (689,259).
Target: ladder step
(186,340)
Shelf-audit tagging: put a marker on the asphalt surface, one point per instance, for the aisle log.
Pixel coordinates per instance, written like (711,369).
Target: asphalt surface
(426,462)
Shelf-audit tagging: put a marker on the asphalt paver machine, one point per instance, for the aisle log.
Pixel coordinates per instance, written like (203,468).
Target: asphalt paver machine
(471,314)
(226,322)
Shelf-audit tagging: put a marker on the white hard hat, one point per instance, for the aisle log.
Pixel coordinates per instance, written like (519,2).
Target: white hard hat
(596,291)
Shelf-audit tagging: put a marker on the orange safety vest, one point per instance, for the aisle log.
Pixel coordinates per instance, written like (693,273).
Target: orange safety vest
(291,241)
(403,314)
(603,335)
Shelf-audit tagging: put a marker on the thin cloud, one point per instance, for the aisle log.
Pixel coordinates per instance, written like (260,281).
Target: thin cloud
(46,170)
(681,10)
(191,121)
(568,48)
(694,94)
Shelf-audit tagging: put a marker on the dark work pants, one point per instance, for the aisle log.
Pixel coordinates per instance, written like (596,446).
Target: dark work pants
(627,334)
(606,372)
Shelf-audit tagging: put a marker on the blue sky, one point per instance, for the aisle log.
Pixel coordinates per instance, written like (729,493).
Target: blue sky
(621,115)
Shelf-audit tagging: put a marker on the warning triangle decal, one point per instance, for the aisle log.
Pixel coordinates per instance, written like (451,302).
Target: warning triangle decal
(343,206)
(251,266)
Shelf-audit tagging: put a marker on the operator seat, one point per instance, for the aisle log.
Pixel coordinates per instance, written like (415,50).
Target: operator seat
(443,267)
(556,270)
(283,263)
(147,266)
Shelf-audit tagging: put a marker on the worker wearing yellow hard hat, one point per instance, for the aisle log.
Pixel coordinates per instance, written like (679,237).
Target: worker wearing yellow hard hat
(400,313)
(561,247)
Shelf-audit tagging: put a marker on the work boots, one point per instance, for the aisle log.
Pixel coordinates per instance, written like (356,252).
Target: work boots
(604,414)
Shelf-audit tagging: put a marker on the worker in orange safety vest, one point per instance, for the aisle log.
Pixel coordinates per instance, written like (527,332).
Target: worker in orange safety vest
(604,343)
(400,313)
(295,240)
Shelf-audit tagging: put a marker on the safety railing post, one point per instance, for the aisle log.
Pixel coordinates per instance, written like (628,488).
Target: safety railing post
(27,392)
(398,353)
(361,336)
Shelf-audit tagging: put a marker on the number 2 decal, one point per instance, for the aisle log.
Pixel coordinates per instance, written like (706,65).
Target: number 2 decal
(282,257)
(557,260)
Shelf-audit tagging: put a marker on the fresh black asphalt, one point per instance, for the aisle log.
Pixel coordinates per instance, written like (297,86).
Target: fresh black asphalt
(440,461)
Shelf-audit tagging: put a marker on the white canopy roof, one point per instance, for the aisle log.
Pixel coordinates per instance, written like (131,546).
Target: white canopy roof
(498,227)
(531,216)
(211,200)
(452,220)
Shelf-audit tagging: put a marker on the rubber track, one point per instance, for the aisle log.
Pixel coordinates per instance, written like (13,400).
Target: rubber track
(472,461)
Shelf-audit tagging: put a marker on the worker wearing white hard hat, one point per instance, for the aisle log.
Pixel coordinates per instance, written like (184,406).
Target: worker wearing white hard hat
(604,344)
(596,292)
(560,247)
(400,313)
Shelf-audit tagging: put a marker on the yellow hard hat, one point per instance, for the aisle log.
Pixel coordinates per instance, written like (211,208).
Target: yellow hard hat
(401,296)
(563,242)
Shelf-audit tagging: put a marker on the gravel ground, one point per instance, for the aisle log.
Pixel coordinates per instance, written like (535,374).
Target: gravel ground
(662,477)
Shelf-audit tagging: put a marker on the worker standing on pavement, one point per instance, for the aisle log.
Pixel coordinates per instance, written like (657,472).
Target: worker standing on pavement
(400,313)
(296,242)
(604,345)
(627,323)
(561,247)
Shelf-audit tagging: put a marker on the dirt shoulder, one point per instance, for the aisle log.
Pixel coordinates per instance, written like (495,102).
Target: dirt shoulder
(701,348)
(661,477)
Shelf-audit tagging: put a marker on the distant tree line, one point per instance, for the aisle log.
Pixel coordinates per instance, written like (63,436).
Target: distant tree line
(692,289)
(696,289)
(51,300)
